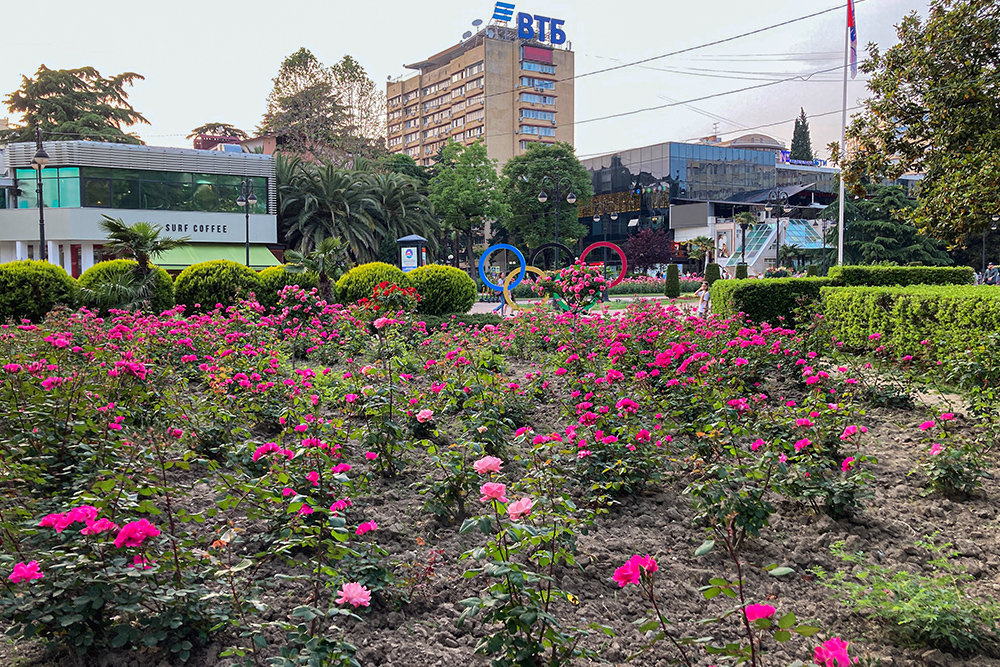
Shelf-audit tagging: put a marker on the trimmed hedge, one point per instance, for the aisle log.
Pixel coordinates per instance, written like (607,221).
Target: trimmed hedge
(953,317)
(359,282)
(713,272)
(767,299)
(201,286)
(443,289)
(275,278)
(741,271)
(30,289)
(672,286)
(881,276)
(112,270)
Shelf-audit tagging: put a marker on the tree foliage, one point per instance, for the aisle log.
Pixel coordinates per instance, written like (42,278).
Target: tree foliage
(325,113)
(218,130)
(877,231)
(363,208)
(801,142)
(465,191)
(532,222)
(935,108)
(648,249)
(72,105)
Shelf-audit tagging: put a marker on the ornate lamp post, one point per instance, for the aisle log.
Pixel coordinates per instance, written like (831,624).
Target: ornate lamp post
(558,185)
(777,199)
(38,162)
(604,251)
(247,199)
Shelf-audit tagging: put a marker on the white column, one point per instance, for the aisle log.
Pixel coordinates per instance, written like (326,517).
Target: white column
(86,256)
(67,257)
(52,252)
(20,251)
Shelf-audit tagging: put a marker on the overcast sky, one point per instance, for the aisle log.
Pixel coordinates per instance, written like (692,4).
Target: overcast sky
(214,61)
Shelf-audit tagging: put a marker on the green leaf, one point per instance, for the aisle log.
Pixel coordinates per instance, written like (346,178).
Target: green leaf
(711,592)
(705,547)
(782,636)
(303,612)
(806,630)
(786,621)
(781,571)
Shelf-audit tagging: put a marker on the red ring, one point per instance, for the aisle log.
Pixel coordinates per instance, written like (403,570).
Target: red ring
(611,246)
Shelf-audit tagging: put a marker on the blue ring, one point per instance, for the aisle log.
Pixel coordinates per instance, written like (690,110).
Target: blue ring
(491,250)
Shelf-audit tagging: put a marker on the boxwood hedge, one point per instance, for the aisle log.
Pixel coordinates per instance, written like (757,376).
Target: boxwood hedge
(767,299)
(275,278)
(30,289)
(201,286)
(878,276)
(953,317)
(443,289)
(359,282)
(102,273)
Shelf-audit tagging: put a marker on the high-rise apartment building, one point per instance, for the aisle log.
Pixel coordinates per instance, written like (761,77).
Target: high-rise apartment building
(494,87)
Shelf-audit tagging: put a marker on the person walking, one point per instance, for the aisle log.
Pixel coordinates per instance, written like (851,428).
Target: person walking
(992,276)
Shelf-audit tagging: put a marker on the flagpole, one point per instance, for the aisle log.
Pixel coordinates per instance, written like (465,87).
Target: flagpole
(843,143)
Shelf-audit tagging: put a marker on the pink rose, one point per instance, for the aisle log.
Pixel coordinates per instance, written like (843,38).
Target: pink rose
(487,464)
(519,508)
(425,415)
(493,491)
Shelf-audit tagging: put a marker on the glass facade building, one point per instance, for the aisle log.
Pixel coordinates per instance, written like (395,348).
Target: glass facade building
(103,187)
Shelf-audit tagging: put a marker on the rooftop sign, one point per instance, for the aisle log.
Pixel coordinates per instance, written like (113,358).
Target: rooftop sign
(532,26)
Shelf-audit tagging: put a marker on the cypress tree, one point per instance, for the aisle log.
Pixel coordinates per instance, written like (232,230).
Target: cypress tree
(801,143)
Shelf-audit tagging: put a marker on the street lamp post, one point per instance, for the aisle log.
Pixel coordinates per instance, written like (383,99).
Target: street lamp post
(604,250)
(556,185)
(777,199)
(743,241)
(247,199)
(38,162)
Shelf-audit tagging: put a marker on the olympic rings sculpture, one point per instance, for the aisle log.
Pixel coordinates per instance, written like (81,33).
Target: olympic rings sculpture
(524,268)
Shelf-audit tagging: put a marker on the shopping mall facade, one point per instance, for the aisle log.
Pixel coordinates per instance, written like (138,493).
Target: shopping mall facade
(187,193)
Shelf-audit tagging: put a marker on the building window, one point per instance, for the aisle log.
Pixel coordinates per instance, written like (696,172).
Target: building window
(540,131)
(458,106)
(409,96)
(474,69)
(431,89)
(474,132)
(393,115)
(458,92)
(473,85)
(531,98)
(538,115)
(395,141)
(458,122)
(411,137)
(413,152)
(475,115)
(532,82)
(538,67)
(60,187)
(395,101)
(457,76)
(478,99)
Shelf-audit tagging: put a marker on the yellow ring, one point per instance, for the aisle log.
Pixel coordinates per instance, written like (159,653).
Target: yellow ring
(510,277)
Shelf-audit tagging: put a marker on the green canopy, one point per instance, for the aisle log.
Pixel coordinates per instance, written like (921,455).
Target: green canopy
(195,253)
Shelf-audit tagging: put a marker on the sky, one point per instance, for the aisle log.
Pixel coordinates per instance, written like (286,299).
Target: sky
(219,65)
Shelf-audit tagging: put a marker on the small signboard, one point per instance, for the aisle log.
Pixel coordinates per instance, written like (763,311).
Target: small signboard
(408,258)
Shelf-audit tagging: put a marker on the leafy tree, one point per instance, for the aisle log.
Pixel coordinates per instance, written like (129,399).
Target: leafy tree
(876,231)
(364,103)
(219,130)
(648,249)
(400,210)
(401,163)
(531,221)
(303,111)
(465,191)
(801,143)
(74,104)
(329,260)
(934,108)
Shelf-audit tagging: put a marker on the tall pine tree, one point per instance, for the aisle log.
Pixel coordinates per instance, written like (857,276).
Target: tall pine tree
(801,143)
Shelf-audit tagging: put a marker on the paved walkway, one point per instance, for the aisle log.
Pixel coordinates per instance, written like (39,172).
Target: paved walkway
(487,307)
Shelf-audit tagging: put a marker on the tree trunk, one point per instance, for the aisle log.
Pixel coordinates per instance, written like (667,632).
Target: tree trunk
(471,254)
(454,249)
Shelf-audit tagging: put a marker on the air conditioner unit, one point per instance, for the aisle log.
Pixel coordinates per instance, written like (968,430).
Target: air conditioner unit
(517,131)
(553,121)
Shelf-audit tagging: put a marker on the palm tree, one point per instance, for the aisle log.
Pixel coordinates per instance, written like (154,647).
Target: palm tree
(140,241)
(329,260)
(701,247)
(401,209)
(790,252)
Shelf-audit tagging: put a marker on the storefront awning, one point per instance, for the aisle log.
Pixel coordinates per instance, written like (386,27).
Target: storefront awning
(181,258)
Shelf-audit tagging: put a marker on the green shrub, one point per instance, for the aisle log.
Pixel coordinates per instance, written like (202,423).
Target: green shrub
(201,286)
(443,289)
(767,299)
(433,322)
(879,276)
(359,282)
(921,610)
(812,270)
(673,282)
(30,289)
(712,273)
(276,278)
(741,271)
(954,317)
(100,275)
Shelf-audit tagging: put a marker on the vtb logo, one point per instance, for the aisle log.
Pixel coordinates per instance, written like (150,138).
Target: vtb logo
(529,26)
